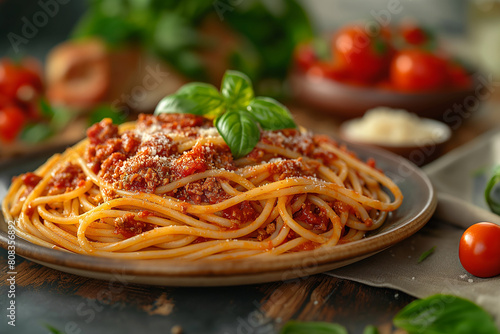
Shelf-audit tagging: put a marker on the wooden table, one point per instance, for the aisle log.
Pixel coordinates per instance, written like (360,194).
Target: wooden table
(76,304)
(72,304)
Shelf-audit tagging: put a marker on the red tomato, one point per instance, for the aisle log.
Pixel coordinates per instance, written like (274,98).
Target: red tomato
(6,101)
(304,56)
(12,120)
(479,250)
(459,76)
(418,70)
(385,85)
(414,35)
(20,82)
(326,70)
(365,57)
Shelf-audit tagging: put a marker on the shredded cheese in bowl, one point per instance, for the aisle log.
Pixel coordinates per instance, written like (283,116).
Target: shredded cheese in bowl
(396,127)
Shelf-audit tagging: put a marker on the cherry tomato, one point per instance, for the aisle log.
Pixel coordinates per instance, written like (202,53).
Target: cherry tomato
(20,82)
(365,56)
(418,70)
(459,76)
(6,101)
(326,70)
(12,120)
(479,249)
(414,34)
(305,56)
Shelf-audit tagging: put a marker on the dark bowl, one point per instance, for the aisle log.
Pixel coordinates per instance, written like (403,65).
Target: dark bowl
(349,101)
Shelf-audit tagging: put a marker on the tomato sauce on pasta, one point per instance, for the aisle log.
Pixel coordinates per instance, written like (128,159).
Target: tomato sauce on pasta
(167,186)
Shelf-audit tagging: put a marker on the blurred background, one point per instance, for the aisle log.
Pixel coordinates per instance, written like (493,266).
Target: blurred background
(450,17)
(69,63)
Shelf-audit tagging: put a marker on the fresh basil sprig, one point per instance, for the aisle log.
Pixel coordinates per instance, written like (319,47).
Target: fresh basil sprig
(54,121)
(437,314)
(238,114)
(442,314)
(236,89)
(490,190)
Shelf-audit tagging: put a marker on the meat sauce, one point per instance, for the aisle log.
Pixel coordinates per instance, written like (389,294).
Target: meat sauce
(145,159)
(128,226)
(242,212)
(30,180)
(148,157)
(66,178)
(315,217)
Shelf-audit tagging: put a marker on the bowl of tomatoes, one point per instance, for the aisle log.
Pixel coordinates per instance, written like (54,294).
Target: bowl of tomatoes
(28,121)
(354,70)
(20,88)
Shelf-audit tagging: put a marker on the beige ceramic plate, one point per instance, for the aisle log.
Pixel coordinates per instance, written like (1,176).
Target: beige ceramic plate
(417,208)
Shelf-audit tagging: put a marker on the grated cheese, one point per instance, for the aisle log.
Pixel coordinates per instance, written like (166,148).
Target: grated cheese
(393,126)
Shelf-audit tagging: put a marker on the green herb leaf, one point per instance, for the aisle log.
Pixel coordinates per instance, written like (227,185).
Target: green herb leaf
(174,32)
(443,314)
(490,192)
(205,94)
(271,114)
(53,330)
(194,98)
(299,327)
(380,46)
(237,113)
(370,330)
(62,117)
(322,48)
(236,89)
(102,112)
(116,30)
(426,254)
(36,132)
(239,130)
(59,116)
(45,108)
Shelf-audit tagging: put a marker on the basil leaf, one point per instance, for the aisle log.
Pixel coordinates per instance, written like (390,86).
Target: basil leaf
(52,329)
(36,132)
(370,330)
(62,117)
(194,98)
(312,327)
(271,114)
(491,190)
(444,314)
(239,130)
(116,30)
(236,89)
(59,117)
(173,32)
(102,112)
(198,89)
(426,254)
(45,108)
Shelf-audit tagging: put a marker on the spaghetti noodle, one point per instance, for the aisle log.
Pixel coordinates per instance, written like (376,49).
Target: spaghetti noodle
(167,186)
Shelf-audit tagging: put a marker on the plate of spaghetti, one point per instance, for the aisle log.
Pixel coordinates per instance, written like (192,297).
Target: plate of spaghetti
(164,200)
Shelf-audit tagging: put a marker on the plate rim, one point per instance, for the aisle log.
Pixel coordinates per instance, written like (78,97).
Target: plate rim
(295,265)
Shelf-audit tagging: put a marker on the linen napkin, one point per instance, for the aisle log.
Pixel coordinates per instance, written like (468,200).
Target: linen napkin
(441,272)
